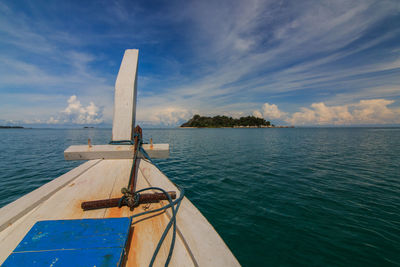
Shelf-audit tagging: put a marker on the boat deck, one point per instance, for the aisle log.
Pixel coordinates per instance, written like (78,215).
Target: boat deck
(102,177)
(197,243)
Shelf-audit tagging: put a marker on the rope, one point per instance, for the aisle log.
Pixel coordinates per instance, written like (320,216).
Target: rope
(172,221)
(122,142)
(133,199)
(130,199)
(133,169)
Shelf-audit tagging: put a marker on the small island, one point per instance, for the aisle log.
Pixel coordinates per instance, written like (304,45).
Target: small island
(11,127)
(226,122)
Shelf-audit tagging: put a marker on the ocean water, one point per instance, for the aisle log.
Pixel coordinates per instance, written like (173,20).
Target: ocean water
(278,197)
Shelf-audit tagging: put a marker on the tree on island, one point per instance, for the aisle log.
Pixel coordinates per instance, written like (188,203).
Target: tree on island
(224,121)
(11,127)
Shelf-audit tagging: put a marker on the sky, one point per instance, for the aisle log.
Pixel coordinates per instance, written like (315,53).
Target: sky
(319,63)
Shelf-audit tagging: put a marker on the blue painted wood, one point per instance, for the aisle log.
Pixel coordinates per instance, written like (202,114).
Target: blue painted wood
(86,233)
(67,258)
(91,242)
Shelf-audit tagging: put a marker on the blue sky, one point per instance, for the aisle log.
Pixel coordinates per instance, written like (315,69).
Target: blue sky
(291,62)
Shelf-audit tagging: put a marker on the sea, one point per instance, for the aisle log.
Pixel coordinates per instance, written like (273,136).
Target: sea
(278,197)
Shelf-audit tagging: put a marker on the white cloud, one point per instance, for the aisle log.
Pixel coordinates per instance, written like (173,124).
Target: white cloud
(321,114)
(76,113)
(167,116)
(272,111)
(242,50)
(373,111)
(52,120)
(296,49)
(257,114)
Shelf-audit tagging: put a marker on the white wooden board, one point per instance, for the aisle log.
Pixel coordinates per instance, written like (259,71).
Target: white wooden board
(197,242)
(15,210)
(103,181)
(125,97)
(84,152)
(203,242)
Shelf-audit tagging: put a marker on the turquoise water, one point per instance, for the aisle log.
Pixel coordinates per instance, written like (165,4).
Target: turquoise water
(278,197)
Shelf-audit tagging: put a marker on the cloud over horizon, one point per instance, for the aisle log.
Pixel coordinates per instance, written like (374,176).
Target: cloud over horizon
(76,113)
(166,117)
(372,111)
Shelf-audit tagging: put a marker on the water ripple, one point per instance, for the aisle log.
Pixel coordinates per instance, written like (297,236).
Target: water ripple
(276,196)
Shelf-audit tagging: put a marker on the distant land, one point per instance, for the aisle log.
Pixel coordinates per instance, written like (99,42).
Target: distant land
(227,122)
(11,127)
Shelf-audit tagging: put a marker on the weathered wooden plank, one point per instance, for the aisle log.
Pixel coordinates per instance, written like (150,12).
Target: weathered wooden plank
(82,257)
(96,183)
(156,151)
(197,242)
(13,211)
(103,181)
(202,241)
(148,230)
(85,242)
(125,97)
(76,234)
(84,152)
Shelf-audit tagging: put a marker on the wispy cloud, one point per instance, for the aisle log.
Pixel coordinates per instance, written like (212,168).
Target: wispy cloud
(207,57)
(296,53)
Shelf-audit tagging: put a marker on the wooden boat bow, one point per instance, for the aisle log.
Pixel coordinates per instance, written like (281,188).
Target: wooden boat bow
(107,169)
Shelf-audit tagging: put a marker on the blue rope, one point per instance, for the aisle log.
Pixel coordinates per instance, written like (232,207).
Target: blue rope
(148,157)
(174,205)
(172,221)
(125,142)
(122,142)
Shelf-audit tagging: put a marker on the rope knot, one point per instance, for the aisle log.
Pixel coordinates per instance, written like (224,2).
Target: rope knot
(129,199)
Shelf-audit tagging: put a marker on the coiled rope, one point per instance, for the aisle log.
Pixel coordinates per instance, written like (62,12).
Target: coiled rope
(135,196)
